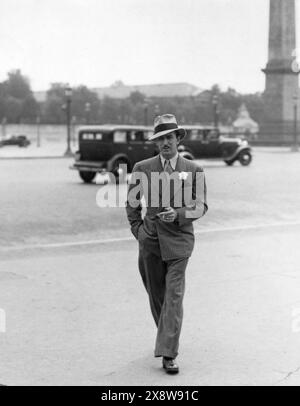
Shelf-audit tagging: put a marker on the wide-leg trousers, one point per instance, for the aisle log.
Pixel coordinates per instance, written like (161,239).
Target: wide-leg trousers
(165,285)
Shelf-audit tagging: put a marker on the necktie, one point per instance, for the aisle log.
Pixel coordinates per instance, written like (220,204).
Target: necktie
(165,185)
(168,167)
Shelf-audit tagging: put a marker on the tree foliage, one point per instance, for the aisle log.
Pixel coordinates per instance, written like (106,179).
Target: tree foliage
(17,104)
(85,105)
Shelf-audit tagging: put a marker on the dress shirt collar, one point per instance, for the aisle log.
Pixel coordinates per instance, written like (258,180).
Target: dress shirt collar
(173,161)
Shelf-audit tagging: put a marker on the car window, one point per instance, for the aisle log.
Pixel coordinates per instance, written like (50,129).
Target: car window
(195,135)
(205,135)
(213,135)
(120,137)
(87,136)
(136,136)
(99,136)
(147,134)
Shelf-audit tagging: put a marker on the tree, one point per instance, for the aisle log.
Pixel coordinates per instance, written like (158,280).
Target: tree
(17,102)
(137,97)
(13,109)
(17,85)
(53,112)
(30,109)
(85,104)
(110,109)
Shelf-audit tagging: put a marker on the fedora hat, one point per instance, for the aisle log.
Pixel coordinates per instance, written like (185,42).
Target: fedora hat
(164,125)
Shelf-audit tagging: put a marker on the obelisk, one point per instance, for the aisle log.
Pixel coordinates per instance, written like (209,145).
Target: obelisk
(282,82)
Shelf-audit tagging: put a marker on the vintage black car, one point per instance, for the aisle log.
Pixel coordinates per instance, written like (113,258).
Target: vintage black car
(104,148)
(203,142)
(19,140)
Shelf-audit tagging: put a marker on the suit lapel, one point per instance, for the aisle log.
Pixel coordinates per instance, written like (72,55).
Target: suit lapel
(156,166)
(180,167)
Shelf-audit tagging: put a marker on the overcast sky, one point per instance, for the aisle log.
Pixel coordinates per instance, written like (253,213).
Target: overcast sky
(96,42)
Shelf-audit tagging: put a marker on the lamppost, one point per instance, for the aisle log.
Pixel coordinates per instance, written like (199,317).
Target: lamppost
(73,126)
(68,95)
(295,144)
(38,136)
(3,127)
(87,110)
(156,110)
(146,105)
(215,102)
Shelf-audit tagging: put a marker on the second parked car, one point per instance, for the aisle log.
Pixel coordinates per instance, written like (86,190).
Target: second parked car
(203,142)
(19,140)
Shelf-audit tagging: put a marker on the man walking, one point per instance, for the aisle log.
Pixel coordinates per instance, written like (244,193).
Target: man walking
(175,192)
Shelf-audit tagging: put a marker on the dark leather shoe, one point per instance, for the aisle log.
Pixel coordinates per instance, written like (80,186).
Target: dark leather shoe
(170,366)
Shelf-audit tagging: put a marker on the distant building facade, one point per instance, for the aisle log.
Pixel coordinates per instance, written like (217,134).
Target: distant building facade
(119,90)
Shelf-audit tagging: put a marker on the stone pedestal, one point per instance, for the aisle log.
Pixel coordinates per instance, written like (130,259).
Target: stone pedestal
(277,132)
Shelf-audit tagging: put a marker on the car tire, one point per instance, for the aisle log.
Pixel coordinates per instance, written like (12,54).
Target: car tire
(116,174)
(87,176)
(245,158)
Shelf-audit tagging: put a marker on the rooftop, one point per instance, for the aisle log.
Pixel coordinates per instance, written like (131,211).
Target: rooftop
(119,90)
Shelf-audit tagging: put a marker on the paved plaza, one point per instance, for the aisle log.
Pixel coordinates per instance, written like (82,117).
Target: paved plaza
(77,313)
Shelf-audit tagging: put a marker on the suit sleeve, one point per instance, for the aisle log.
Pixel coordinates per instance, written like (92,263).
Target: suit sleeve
(198,206)
(133,202)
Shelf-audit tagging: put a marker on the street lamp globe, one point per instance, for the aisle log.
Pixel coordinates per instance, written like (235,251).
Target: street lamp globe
(68,92)
(87,108)
(215,99)
(295,98)
(146,105)
(215,103)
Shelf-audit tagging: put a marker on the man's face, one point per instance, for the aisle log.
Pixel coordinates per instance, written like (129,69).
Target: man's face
(167,145)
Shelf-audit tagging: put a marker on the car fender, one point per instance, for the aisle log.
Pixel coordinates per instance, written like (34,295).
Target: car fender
(187,155)
(238,151)
(111,162)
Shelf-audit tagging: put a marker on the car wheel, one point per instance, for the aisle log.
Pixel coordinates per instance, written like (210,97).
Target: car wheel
(87,176)
(117,174)
(245,158)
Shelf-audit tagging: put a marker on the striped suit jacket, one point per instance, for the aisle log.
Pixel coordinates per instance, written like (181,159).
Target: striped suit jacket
(176,239)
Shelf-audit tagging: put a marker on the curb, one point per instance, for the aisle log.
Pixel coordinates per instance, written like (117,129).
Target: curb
(113,240)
